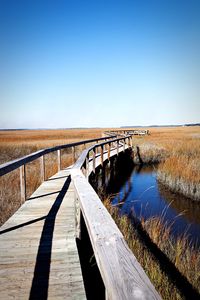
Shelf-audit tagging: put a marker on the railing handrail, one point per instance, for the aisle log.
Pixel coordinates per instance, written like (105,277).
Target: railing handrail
(80,161)
(123,276)
(14,164)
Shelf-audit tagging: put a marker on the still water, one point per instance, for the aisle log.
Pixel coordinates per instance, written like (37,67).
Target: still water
(138,192)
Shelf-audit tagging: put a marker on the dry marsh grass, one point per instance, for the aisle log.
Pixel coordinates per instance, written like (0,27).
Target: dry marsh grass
(15,144)
(166,261)
(178,150)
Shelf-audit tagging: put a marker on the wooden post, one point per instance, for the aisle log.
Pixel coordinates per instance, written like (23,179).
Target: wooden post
(59,159)
(23,183)
(117,147)
(109,145)
(132,137)
(42,167)
(126,139)
(94,159)
(87,165)
(74,154)
(102,155)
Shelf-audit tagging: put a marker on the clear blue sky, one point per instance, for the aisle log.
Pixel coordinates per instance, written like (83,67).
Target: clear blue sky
(99,63)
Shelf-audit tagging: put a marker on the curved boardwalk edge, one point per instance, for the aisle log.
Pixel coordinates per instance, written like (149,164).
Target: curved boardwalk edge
(38,253)
(122,274)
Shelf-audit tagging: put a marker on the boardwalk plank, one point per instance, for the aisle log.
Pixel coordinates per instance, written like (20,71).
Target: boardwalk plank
(40,238)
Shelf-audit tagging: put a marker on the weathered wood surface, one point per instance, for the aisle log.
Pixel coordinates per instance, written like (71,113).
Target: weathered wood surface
(123,276)
(38,253)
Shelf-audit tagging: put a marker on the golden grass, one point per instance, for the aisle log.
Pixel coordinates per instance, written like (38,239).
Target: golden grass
(178,150)
(180,251)
(15,144)
(183,255)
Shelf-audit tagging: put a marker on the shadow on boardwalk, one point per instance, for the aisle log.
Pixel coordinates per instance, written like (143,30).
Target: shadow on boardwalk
(40,283)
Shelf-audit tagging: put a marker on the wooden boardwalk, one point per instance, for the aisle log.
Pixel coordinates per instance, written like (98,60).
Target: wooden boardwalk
(38,253)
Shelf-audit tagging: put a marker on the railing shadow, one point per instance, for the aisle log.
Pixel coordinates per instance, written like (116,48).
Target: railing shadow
(138,155)
(22,225)
(180,281)
(40,283)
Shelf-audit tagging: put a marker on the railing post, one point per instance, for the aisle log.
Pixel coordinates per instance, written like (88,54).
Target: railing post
(74,154)
(117,147)
(23,183)
(128,141)
(59,159)
(102,155)
(124,145)
(42,167)
(94,159)
(87,165)
(131,141)
(109,150)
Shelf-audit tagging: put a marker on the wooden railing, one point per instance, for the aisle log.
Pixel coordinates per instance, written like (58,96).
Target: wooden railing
(123,276)
(21,162)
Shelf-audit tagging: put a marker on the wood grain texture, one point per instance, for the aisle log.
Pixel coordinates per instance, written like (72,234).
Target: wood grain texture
(23,183)
(123,276)
(38,253)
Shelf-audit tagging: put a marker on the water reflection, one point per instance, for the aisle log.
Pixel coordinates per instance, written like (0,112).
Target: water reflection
(138,191)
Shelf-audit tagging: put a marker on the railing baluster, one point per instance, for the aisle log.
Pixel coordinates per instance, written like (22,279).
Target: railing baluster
(102,155)
(87,165)
(109,145)
(42,167)
(23,183)
(117,147)
(59,159)
(94,159)
(124,145)
(131,138)
(74,154)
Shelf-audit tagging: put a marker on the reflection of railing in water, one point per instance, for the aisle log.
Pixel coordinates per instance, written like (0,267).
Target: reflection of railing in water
(127,189)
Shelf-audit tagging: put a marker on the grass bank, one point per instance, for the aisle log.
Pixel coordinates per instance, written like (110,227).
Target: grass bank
(172,265)
(178,152)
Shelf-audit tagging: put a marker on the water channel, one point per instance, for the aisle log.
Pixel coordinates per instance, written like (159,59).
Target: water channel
(136,191)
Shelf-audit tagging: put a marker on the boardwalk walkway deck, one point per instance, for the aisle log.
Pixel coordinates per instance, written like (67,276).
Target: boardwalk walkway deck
(38,253)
